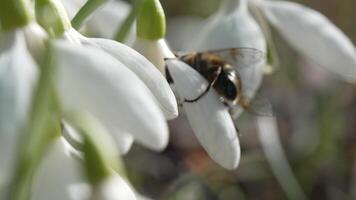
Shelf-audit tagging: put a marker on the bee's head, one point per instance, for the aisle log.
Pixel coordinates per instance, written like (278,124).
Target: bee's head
(229,84)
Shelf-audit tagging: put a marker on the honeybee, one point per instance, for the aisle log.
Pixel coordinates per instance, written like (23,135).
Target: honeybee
(221,68)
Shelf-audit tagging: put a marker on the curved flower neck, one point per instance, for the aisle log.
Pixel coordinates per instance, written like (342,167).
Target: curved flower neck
(52,16)
(231,6)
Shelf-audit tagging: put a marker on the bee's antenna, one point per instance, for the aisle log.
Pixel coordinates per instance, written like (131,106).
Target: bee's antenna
(165,59)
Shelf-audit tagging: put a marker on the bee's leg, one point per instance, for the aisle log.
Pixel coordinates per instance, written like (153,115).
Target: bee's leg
(168,75)
(211,84)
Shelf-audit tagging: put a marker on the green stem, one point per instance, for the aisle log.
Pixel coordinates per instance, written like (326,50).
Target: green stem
(123,31)
(273,60)
(89,7)
(100,155)
(14,14)
(41,129)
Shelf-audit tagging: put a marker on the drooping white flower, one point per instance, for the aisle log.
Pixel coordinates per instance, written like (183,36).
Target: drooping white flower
(313,36)
(232,27)
(18,78)
(121,94)
(143,69)
(208,117)
(92,80)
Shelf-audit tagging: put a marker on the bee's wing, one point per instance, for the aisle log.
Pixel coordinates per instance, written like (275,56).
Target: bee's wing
(180,54)
(240,57)
(258,106)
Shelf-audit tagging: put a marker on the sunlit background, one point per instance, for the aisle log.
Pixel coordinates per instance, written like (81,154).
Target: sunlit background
(316,115)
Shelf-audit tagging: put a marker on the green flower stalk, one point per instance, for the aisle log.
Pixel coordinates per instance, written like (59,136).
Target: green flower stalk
(51,15)
(89,7)
(100,155)
(14,14)
(151,20)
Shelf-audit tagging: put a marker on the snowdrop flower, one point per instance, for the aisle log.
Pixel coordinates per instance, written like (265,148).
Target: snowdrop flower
(114,94)
(208,117)
(105,21)
(231,27)
(72,183)
(312,35)
(151,28)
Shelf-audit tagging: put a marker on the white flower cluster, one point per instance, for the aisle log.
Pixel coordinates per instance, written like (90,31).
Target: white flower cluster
(125,91)
(112,82)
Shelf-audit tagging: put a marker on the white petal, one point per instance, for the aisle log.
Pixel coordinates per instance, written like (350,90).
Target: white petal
(181,30)
(146,71)
(231,27)
(56,173)
(18,77)
(36,38)
(72,36)
(314,36)
(208,117)
(272,147)
(155,51)
(123,140)
(79,191)
(115,188)
(91,80)
(141,197)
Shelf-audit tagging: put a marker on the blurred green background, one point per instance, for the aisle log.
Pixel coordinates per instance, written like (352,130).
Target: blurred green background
(316,115)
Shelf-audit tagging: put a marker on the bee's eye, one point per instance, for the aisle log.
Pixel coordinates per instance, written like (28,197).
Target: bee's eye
(230,90)
(228,87)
